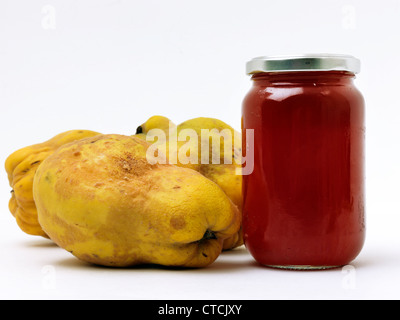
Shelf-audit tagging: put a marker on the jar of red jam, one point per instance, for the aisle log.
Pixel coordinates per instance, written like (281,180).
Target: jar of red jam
(303,204)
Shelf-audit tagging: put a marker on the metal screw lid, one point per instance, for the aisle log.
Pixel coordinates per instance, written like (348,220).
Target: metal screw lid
(306,62)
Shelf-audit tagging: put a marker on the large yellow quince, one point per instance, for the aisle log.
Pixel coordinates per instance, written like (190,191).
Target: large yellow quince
(100,199)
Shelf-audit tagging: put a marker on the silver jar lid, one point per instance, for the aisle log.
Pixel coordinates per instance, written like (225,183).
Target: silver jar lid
(307,62)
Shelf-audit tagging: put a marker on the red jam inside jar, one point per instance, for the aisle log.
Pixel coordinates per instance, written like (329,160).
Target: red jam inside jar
(303,204)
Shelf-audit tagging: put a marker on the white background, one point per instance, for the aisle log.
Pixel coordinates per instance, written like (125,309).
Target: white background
(108,65)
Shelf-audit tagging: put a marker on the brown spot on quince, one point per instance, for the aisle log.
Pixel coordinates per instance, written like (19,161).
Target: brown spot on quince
(178,222)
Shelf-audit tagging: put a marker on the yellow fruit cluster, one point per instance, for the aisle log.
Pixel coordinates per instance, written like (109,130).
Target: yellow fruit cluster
(99,197)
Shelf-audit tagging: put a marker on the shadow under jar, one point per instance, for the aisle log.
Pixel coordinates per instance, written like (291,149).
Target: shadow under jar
(303,205)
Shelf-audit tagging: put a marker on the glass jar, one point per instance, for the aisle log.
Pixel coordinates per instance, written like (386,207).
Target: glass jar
(303,205)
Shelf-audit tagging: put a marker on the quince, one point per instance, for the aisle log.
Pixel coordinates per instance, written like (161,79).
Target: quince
(100,199)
